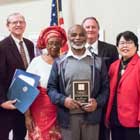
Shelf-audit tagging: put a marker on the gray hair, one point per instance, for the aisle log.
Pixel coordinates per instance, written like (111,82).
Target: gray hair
(14,14)
(91,18)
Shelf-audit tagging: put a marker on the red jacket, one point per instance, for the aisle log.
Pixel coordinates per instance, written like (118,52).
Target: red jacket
(128,93)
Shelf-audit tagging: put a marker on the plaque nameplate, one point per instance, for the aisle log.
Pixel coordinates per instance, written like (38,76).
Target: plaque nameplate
(81,91)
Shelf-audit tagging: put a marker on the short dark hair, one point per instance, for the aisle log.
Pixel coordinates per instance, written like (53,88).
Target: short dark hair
(128,35)
(92,18)
(76,25)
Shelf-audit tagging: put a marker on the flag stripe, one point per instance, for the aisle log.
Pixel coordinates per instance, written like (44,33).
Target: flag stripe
(56,13)
(57,18)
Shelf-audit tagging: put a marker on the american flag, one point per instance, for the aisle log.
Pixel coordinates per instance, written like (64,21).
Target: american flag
(57,18)
(56,13)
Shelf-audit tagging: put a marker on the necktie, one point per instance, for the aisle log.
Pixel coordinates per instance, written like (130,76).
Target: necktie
(91,50)
(23,55)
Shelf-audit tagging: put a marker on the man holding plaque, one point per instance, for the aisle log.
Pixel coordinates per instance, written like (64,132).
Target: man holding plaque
(78,85)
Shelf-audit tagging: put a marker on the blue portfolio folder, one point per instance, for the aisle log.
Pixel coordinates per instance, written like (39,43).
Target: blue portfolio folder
(24,94)
(30,78)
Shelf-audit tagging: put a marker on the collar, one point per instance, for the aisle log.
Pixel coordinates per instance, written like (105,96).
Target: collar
(70,53)
(16,40)
(94,46)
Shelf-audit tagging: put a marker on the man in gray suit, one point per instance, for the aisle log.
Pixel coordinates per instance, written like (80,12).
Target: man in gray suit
(99,48)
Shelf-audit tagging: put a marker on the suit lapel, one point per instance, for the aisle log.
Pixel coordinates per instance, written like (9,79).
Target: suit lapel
(100,49)
(29,48)
(13,48)
(129,68)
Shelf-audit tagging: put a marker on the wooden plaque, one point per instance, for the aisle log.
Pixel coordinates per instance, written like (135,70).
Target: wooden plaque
(81,91)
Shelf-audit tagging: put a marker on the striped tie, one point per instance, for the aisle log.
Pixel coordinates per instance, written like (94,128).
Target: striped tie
(23,55)
(90,48)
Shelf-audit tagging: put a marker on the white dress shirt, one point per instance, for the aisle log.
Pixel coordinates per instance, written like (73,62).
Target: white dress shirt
(94,47)
(24,46)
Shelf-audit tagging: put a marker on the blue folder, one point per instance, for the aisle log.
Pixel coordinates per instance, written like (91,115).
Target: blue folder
(30,78)
(24,94)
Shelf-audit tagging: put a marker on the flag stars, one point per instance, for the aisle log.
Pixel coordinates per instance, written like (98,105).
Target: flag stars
(53,14)
(53,5)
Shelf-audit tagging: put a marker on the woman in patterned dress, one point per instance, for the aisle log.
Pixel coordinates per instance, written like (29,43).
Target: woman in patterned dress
(41,117)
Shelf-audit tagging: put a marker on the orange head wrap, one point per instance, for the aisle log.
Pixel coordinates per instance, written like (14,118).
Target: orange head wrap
(47,33)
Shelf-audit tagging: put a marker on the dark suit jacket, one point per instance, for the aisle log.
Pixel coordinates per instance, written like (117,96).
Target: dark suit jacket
(10,60)
(108,52)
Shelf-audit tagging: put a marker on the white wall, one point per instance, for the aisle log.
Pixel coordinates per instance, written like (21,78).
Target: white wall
(114,15)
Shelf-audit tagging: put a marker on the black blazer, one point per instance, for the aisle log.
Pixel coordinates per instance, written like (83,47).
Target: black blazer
(10,60)
(108,52)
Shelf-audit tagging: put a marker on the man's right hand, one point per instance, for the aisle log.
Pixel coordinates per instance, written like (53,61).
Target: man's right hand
(71,104)
(9,104)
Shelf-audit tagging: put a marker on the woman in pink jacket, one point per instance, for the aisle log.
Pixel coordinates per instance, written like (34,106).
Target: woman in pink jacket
(123,110)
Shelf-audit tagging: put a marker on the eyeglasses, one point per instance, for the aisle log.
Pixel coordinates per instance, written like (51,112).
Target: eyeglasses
(122,43)
(17,22)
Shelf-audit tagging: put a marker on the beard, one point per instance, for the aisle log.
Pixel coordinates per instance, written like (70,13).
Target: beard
(77,47)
